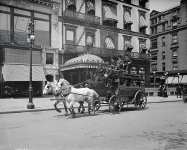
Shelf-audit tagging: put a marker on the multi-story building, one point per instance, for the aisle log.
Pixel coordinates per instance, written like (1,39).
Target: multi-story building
(169,41)
(105,28)
(65,29)
(15,16)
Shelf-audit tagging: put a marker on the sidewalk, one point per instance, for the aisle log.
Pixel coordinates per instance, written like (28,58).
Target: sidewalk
(18,105)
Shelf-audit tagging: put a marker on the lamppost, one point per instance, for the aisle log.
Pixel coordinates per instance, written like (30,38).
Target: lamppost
(166,81)
(178,78)
(31,38)
(154,79)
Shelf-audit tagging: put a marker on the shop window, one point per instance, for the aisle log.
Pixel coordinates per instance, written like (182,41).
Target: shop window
(21,29)
(4,28)
(42,37)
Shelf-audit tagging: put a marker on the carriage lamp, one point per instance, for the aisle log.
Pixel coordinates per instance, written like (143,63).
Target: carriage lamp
(31,38)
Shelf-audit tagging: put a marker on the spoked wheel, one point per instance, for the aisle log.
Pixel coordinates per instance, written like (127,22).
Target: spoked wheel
(113,104)
(140,100)
(143,100)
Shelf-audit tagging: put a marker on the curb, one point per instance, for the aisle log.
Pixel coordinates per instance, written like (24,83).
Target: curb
(29,110)
(50,109)
(165,101)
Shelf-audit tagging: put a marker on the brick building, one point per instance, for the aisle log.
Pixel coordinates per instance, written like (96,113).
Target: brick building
(169,43)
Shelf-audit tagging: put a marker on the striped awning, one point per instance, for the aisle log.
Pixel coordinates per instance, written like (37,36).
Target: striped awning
(83,61)
(109,43)
(143,23)
(127,18)
(21,73)
(108,14)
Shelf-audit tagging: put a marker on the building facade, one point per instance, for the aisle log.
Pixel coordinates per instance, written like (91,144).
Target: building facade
(169,40)
(105,28)
(15,16)
(65,29)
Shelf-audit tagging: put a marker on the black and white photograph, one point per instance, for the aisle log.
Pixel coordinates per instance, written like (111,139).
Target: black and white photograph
(93,74)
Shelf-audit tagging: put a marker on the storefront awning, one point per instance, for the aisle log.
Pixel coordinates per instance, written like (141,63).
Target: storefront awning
(83,61)
(21,73)
(174,80)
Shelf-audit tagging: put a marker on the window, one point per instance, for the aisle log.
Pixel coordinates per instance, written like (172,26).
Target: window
(70,34)
(109,14)
(4,28)
(109,43)
(127,42)
(21,29)
(142,22)
(154,43)
(174,38)
(49,58)
(163,27)
(60,59)
(90,39)
(42,29)
(163,66)
(154,67)
(90,7)
(71,5)
(174,53)
(142,44)
(127,18)
(163,42)
(163,55)
(175,66)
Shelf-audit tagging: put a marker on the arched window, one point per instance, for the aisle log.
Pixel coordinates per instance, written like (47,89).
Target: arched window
(109,43)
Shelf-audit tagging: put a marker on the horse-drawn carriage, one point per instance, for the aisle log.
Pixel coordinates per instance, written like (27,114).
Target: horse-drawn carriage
(114,85)
(118,88)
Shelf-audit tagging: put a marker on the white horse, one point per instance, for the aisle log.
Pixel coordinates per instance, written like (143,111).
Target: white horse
(52,88)
(77,95)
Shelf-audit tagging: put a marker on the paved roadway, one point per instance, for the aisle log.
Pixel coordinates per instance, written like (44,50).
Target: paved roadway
(162,126)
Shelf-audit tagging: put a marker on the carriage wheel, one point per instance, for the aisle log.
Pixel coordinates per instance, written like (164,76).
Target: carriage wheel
(140,100)
(113,104)
(143,100)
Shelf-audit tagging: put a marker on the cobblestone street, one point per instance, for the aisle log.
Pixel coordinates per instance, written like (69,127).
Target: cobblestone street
(160,126)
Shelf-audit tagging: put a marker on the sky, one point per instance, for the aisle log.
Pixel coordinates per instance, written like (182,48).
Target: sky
(162,5)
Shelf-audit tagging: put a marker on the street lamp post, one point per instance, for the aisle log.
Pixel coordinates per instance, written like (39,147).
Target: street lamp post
(178,78)
(154,79)
(31,38)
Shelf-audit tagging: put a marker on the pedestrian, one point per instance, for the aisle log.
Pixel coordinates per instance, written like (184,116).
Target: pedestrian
(179,91)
